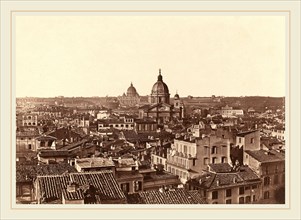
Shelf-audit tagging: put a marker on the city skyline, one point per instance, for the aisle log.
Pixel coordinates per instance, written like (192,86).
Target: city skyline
(88,56)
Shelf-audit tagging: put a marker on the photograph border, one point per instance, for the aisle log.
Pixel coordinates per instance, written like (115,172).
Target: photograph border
(288,174)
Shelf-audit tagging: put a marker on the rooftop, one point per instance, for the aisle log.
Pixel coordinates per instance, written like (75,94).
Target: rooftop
(244,133)
(94,162)
(53,153)
(104,183)
(171,196)
(28,173)
(211,180)
(220,167)
(264,156)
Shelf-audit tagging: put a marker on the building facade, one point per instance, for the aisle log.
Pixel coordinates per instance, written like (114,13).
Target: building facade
(159,106)
(131,98)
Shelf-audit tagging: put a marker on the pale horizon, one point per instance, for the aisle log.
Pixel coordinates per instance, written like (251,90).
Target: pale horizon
(201,56)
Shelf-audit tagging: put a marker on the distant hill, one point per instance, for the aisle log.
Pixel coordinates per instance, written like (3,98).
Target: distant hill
(259,103)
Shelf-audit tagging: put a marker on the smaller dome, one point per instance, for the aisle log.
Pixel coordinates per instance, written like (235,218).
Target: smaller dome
(177,96)
(131,91)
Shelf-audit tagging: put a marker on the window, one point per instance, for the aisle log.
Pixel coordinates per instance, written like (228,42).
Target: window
(241,190)
(42,144)
(193,161)
(254,198)
(125,187)
(228,201)
(252,141)
(241,200)
(267,170)
(215,195)
(266,181)
(254,187)
(29,146)
(138,186)
(248,199)
(228,192)
(247,187)
(239,140)
(214,159)
(33,123)
(266,195)
(224,159)
(276,169)
(276,179)
(206,150)
(185,149)
(214,150)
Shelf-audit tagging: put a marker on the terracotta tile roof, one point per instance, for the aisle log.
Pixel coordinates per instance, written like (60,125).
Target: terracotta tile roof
(172,196)
(244,133)
(221,180)
(28,173)
(94,162)
(265,156)
(76,195)
(53,153)
(124,162)
(220,167)
(248,174)
(74,145)
(106,187)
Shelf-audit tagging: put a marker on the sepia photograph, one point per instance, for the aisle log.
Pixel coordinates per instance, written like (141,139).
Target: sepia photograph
(99,122)
(152,108)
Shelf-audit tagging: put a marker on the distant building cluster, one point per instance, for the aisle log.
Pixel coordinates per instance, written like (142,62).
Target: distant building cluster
(153,149)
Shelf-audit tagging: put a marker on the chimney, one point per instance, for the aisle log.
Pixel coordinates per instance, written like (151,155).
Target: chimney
(72,187)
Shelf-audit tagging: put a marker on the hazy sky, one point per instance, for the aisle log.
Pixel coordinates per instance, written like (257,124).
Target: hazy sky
(102,55)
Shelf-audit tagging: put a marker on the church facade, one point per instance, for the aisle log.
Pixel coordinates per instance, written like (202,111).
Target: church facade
(131,98)
(159,107)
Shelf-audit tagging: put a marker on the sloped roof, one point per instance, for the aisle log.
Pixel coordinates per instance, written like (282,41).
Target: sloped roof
(27,173)
(94,162)
(53,153)
(223,180)
(244,133)
(220,167)
(51,187)
(265,156)
(175,196)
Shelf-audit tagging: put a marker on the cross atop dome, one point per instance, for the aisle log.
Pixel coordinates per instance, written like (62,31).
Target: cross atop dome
(160,78)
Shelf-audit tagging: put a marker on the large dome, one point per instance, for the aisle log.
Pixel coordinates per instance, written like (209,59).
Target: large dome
(131,91)
(160,88)
(160,92)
